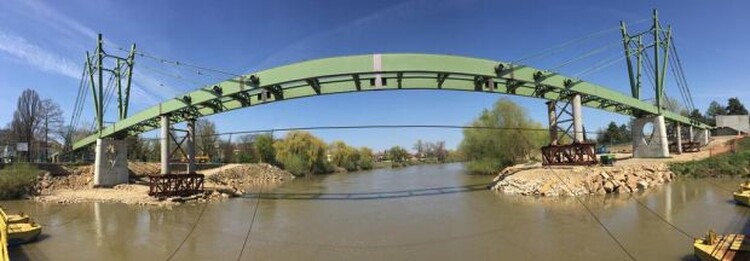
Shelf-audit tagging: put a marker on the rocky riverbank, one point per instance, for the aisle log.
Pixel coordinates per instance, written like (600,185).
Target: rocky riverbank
(573,181)
(75,184)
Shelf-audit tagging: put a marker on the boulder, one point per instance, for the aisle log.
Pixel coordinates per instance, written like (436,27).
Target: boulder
(609,187)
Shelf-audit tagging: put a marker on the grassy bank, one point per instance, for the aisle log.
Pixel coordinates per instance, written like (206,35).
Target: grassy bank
(17,180)
(728,164)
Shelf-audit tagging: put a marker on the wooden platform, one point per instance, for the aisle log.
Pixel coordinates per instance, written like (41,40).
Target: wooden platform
(726,247)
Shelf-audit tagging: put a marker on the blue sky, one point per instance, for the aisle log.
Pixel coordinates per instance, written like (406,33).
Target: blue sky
(42,45)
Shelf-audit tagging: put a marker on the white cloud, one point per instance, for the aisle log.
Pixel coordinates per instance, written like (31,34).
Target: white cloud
(32,54)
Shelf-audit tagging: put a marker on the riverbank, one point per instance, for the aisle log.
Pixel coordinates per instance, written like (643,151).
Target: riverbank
(74,184)
(627,175)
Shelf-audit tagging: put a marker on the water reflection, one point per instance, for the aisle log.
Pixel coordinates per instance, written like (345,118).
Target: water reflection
(423,212)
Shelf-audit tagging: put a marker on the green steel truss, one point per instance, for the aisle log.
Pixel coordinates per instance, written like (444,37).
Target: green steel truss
(379,72)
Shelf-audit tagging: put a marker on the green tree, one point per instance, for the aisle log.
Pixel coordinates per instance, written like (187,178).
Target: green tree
(344,156)
(366,158)
(735,107)
(714,109)
(398,154)
(614,134)
(265,149)
(302,153)
(490,150)
(246,147)
(697,115)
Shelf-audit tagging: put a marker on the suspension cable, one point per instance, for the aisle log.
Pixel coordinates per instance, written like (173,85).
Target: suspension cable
(179,63)
(252,222)
(585,55)
(565,45)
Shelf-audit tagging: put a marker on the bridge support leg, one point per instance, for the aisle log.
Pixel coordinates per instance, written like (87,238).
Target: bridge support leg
(191,146)
(110,163)
(701,137)
(165,151)
(577,118)
(654,145)
(678,137)
(691,136)
(552,114)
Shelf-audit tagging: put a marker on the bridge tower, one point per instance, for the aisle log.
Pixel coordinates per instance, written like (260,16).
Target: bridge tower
(111,155)
(654,144)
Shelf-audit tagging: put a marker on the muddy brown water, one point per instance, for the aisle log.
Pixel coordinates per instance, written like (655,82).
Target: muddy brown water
(431,212)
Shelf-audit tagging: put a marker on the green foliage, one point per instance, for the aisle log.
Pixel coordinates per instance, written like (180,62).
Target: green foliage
(344,156)
(17,180)
(714,109)
(735,107)
(731,164)
(614,134)
(302,146)
(366,158)
(489,150)
(265,149)
(697,115)
(398,155)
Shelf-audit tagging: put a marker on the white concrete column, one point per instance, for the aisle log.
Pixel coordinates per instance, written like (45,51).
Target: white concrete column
(191,146)
(691,135)
(679,137)
(165,157)
(654,145)
(552,115)
(577,118)
(110,163)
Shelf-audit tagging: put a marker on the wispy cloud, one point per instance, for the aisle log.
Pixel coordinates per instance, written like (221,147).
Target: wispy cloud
(304,47)
(34,55)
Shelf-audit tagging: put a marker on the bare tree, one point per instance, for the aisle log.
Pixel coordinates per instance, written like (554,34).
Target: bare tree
(51,121)
(26,118)
(205,137)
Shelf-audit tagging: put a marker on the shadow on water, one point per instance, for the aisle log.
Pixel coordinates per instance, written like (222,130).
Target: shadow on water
(369,195)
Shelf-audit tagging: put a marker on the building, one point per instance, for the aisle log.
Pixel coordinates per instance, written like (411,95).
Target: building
(731,125)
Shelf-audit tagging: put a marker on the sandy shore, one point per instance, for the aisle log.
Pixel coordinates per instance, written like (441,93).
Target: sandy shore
(74,185)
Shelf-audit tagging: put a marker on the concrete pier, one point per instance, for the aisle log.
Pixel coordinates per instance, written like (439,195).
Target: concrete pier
(164,138)
(110,163)
(651,146)
(678,137)
(577,118)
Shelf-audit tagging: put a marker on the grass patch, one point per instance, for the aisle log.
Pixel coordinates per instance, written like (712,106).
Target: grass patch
(17,180)
(728,164)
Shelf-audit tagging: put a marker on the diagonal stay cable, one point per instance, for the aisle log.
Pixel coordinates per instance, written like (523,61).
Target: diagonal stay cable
(252,222)
(595,217)
(585,55)
(197,220)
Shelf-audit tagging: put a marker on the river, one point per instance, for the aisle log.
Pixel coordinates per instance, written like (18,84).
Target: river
(434,212)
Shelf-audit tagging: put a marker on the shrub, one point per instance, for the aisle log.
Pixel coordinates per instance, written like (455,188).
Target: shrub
(17,180)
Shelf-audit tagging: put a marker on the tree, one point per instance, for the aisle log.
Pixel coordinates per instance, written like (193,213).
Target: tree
(674,105)
(246,147)
(26,118)
(301,153)
(226,149)
(206,139)
(420,148)
(366,158)
(489,150)
(51,121)
(265,149)
(398,154)
(344,156)
(614,134)
(735,107)
(714,109)
(137,148)
(697,115)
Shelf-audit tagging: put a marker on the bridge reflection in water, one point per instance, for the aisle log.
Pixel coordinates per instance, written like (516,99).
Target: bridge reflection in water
(368,195)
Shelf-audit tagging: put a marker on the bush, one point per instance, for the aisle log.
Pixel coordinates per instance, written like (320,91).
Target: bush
(730,164)
(17,180)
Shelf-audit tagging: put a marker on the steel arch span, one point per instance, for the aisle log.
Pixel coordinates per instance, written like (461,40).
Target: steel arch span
(379,72)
